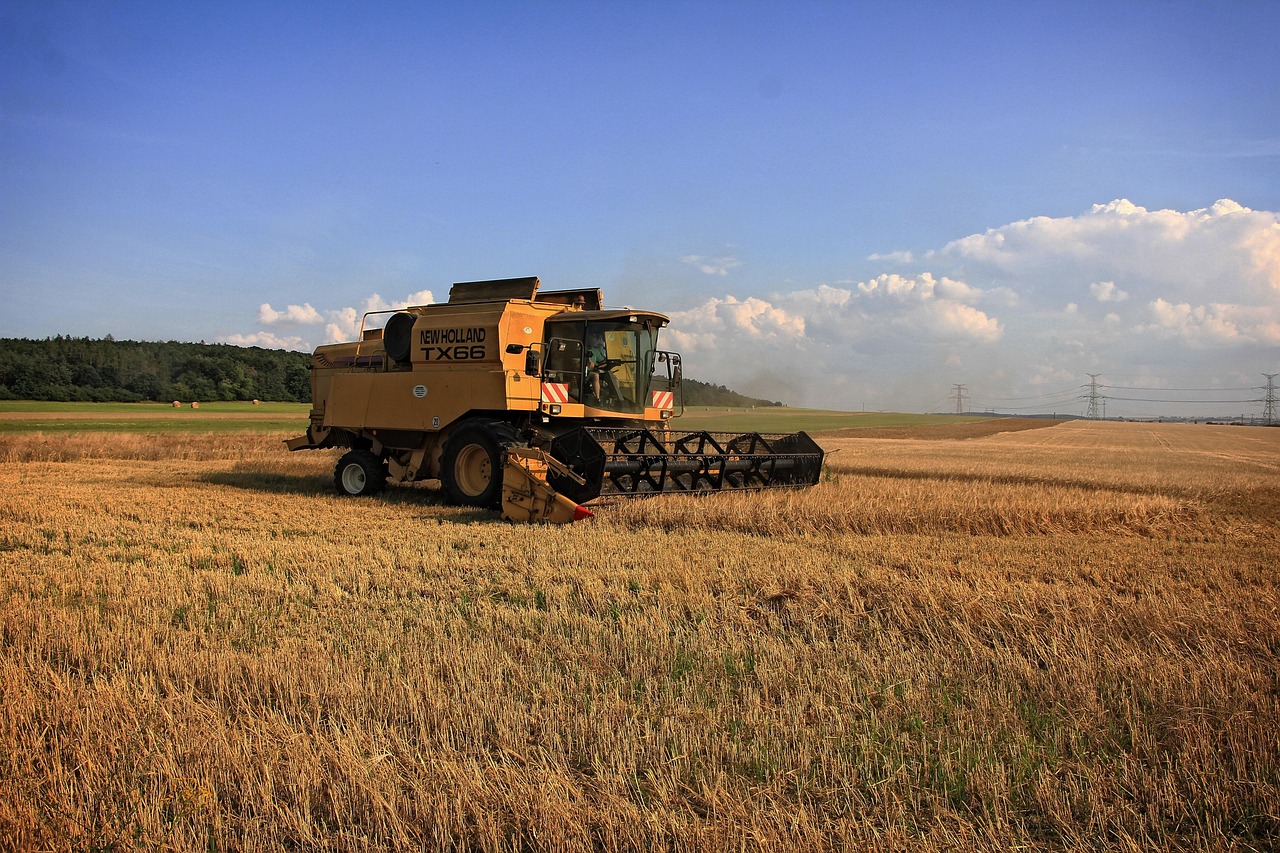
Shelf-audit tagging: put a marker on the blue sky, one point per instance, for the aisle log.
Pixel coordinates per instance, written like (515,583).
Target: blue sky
(853,205)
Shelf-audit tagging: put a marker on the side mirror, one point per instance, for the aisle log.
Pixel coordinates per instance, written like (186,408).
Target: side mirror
(512,349)
(532,364)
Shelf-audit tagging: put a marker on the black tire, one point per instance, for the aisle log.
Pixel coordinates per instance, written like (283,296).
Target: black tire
(359,473)
(472,460)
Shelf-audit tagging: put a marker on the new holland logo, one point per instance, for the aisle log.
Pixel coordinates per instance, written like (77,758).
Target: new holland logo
(663,399)
(555,392)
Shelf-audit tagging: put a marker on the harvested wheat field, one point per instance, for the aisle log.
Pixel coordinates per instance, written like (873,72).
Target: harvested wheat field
(1057,638)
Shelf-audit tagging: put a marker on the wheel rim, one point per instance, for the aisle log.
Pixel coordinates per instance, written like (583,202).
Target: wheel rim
(353,479)
(473,471)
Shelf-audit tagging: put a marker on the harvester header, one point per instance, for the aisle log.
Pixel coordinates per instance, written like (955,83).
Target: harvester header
(532,402)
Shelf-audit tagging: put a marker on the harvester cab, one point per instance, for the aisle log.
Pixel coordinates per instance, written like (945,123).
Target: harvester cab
(535,403)
(608,363)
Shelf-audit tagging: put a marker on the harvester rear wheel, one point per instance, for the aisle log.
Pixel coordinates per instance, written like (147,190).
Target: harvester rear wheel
(359,473)
(471,462)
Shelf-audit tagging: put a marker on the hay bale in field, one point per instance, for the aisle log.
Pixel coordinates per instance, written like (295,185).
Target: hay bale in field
(177,404)
(257,402)
(194,404)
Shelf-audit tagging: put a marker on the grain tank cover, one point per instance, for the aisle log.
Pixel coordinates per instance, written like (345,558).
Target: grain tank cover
(587,298)
(496,290)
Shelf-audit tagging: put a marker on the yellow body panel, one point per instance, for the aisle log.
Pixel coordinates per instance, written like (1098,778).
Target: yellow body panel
(427,399)
(457,363)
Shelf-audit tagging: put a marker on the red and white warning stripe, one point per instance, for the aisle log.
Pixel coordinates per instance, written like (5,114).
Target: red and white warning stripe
(663,399)
(555,392)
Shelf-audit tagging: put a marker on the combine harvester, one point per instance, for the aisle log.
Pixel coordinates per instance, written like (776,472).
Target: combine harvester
(535,403)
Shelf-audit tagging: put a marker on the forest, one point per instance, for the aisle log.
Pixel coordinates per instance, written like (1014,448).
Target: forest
(105,370)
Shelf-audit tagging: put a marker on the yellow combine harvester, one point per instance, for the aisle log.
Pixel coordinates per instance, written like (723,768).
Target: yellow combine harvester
(535,403)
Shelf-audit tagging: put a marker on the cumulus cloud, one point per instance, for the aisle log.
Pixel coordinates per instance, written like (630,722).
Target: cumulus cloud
(1106,291)
(294,314)
(1001,310)
(1223,245)
(734,324)
(267,340)
(937,308)
(339,324)
(1213,325)
(892,257)
(344,324)
(1202,278)
(816,335)
(712,266)
(921,289)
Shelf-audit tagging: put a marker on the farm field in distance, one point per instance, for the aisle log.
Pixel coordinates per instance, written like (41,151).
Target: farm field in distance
(25,416)
(1043,636)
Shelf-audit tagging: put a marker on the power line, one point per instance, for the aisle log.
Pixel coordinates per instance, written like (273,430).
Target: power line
(1069,391)
(1145,388)
(1050,406)
(1095,395)
(1040,402)
(1152,400)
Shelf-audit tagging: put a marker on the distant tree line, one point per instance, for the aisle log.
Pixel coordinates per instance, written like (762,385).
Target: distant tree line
(109,371)
(702,394)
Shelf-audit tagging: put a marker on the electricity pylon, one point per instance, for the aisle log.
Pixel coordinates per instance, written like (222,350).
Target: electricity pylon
(1094,396)
(1269,407)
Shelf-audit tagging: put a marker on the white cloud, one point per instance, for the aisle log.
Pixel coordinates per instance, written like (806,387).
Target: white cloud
(1213,325)
(1001,311)
(952,319)
(923,305)
(344,324)
(812,336)
(892,257)
(294,314)
(1225,245)
(267,340)
(922,288)
(733,324)
(712,266)
(1202,278)
(340,324)
(1106,291)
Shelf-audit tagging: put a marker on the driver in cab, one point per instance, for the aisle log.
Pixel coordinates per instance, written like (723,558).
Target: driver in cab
(597,356)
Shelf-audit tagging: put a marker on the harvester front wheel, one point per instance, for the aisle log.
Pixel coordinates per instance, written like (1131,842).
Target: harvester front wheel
(360,473)
(471,463)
